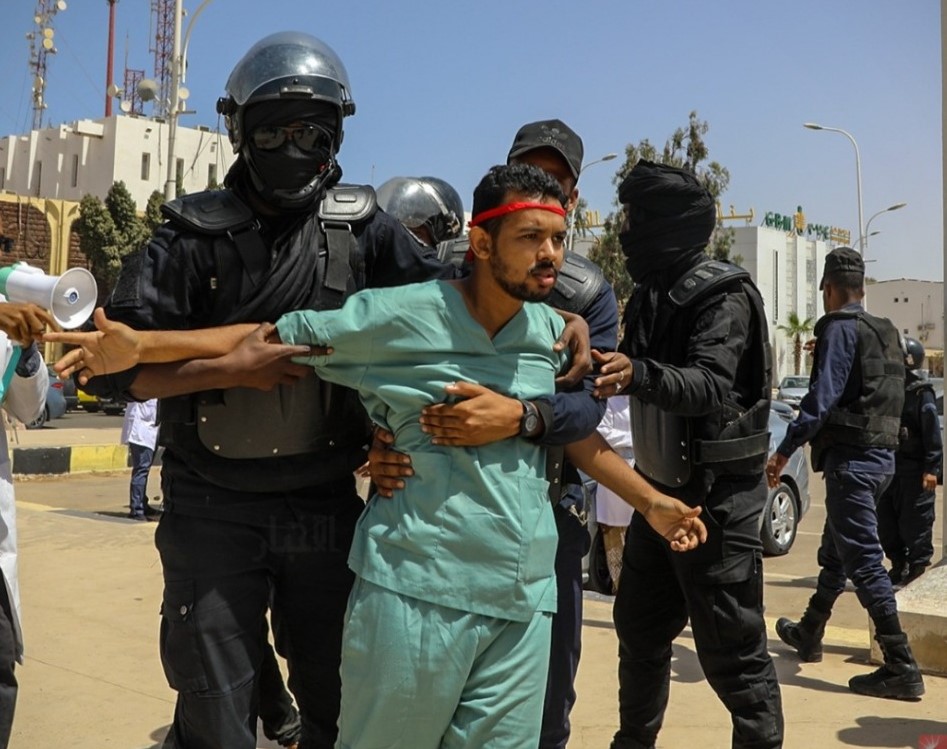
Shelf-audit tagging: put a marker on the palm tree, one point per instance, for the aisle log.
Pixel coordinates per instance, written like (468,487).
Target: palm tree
(797,329)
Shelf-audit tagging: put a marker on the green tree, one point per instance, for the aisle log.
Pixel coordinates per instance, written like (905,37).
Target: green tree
(153,217)
(797,329)
(685,149)
(107,232)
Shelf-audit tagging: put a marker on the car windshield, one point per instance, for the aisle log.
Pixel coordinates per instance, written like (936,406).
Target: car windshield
(795,382)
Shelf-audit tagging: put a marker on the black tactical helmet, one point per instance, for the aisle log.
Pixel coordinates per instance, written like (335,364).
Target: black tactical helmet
(913,353)
(288,66)
(424,201)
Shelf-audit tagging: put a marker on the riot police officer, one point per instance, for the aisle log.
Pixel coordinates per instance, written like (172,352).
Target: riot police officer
(258,485)
(696,335)
(906,509)
(428,206)
(851,417)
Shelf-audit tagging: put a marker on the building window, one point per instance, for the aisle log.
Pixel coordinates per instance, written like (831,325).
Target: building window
(38,174)
(179,173)
(895,300)
(905,300)
(75,170)
(212,175)
(145,167)
(3,177)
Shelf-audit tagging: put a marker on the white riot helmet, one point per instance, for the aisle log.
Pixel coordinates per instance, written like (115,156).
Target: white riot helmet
(295,70)
(424,201)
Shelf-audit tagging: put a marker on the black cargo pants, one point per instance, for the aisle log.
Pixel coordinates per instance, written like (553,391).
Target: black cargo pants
(219,575)
(719,587)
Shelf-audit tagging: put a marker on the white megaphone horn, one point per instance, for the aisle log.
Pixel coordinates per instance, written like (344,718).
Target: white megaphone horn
(70,297)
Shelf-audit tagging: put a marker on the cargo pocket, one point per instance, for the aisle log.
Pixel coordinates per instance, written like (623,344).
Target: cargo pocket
(732,590)
(181,654)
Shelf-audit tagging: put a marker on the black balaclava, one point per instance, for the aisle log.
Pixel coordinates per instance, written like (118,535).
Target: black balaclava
(670,217)
(288,177)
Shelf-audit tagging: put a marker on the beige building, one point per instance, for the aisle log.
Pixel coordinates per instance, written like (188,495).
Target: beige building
(917,310)
(89,156)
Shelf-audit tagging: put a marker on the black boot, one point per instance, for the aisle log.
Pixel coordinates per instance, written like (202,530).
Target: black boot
(806,636)
(898,679)
(899,568)
(913,573)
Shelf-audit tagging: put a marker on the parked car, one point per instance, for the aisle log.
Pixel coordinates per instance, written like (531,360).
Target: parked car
(792,389)
(70,392)
(112,406)
(779,521)
(55,402)
(87,402)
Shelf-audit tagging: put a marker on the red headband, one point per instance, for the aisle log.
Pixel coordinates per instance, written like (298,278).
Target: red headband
(511,207)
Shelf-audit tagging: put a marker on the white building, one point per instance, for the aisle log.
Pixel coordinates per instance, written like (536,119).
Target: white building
(787,268)
(89,156)
(917,310)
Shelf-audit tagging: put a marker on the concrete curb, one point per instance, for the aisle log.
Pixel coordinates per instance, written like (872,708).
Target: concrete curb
(71,459)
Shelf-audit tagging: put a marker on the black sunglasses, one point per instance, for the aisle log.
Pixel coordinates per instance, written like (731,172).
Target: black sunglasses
(307,137)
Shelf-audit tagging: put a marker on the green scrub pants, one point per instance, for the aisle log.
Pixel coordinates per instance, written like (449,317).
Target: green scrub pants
(419,675)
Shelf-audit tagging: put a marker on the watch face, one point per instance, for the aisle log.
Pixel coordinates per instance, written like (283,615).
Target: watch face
(530,422)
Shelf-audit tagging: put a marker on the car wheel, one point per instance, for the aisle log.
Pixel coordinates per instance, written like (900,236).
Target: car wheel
(91,408)
(40,420)
(599,578)
(780,521)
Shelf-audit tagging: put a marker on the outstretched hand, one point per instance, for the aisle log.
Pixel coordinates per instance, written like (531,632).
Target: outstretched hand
(677,522)
(25,322)
(112,347)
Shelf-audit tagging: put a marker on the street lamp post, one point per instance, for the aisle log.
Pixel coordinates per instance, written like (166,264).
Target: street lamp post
(571,235)
(178,73)
(895,207)
(858,176)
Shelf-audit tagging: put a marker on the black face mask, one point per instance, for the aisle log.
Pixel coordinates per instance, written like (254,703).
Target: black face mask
(289,167)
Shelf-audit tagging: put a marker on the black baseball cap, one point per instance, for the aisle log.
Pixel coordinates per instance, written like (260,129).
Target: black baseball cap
(554,134)
(842,260)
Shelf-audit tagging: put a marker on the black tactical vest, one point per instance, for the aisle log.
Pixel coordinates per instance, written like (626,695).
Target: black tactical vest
(291,436)
(873,417)
(910,436)
(675,450)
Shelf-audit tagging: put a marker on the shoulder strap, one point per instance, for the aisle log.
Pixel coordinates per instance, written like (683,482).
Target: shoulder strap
(342,206)
(703,280)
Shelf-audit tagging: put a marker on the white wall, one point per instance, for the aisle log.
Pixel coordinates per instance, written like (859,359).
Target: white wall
(915,307)
(88,156)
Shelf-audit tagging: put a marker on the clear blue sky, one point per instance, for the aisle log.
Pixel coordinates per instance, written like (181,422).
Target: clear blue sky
(442,86)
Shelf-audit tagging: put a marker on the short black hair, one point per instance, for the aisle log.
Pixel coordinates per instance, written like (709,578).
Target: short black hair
(851,282)
(502,179)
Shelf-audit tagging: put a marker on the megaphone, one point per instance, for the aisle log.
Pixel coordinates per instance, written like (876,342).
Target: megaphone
(70,297)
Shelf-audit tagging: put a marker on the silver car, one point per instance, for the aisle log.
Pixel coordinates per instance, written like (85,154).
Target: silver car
(779,522)
(792,389)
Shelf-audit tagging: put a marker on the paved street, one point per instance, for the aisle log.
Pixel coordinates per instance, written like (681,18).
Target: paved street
(91,587)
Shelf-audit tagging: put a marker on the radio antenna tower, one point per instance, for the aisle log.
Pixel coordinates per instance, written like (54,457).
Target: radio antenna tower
(41,46)
(163,13)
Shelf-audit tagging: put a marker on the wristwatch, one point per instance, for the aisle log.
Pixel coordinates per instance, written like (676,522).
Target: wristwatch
(530,421)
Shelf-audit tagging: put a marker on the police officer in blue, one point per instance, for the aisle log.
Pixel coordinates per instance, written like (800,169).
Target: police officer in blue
(696,334)
(906,509)
(851,417)
(258,484)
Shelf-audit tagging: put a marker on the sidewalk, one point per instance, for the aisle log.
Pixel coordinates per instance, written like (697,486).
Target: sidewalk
(66,450)
(91,586)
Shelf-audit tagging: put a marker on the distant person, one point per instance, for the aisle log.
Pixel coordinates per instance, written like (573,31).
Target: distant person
(851,417)
(140,433)
(612,513)
(24,384)
(906,509)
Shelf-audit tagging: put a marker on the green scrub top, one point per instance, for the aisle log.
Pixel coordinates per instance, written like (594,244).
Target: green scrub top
(473,529)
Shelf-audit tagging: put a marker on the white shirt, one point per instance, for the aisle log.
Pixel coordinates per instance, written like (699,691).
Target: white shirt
(140,427)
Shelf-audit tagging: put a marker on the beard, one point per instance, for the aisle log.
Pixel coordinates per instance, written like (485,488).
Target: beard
(520,290)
